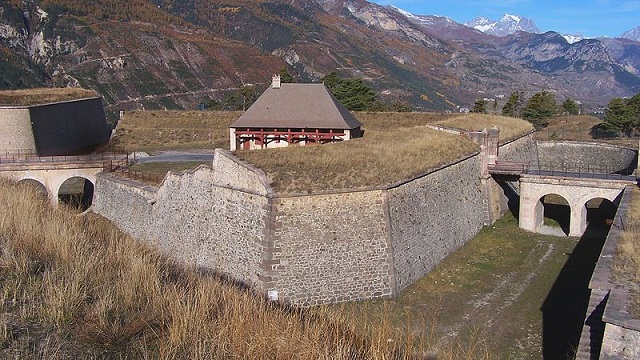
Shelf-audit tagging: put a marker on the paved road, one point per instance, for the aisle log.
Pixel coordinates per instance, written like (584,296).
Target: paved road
(177,156)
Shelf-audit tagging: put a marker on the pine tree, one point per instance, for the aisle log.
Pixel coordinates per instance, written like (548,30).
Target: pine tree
(354,94)
(622,115)
(570,107)
(540,107)
(479,106)
(513,105)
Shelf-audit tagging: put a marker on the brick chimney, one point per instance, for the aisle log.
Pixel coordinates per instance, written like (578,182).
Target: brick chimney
(275,83)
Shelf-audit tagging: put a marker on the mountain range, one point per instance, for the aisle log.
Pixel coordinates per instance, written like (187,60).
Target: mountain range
(161,54)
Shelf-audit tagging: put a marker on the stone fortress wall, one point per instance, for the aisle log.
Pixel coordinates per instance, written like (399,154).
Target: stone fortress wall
(309,248)
(60,128)
(17,134)
(581,156)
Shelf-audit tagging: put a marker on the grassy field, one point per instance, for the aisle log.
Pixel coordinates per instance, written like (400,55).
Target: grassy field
(75,287)
(162,168)
(395,147)
(510,128)
(508,293)
(578,128)
(43,96)
(175,130)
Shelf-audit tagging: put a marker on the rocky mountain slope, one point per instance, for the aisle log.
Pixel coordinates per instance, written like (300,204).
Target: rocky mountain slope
(633,34)
(179,53)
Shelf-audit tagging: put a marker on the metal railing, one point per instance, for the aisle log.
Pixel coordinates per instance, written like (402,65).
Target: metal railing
(31,156)
(122,169)
(580,173)
(562,170)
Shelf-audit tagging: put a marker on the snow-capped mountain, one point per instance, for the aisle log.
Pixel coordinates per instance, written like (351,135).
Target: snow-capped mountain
(633,34)
(573,38)
(508,24)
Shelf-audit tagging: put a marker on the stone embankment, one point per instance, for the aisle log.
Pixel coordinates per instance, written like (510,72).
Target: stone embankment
(581,156)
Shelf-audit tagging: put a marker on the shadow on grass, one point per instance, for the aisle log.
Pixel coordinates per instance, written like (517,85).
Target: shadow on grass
(564,309)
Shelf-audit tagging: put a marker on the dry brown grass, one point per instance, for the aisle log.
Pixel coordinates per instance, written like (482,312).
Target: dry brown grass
(43,96)
(389,152)
(578,128)
(170,130)
(75,287)
(510,128)
(396,146)
(627,261)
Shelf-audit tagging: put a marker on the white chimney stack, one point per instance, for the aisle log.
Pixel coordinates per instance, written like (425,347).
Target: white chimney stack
(276,82)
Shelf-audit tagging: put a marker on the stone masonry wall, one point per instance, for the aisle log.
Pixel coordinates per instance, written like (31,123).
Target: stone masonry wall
(194,217)
(432,216)
(523,149)
(332,248)
(125,203)
(15,133)
(313,248)
(568,155)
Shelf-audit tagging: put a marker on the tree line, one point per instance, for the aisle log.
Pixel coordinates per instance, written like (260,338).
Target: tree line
(538,109)
(622,115)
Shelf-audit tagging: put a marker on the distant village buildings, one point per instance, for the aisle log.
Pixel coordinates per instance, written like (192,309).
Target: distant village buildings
(293,114)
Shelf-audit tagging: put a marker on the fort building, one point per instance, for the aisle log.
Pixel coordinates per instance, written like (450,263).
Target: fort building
(293,114)
(52,124)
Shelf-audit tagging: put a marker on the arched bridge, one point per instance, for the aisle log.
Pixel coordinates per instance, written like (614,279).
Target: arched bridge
(577,188)
(59,175)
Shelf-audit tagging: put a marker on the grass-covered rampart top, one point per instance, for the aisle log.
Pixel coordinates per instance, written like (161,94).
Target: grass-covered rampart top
(174,130)
(39,96)
(393,149)
(510,128)
(75,287)
(395,146)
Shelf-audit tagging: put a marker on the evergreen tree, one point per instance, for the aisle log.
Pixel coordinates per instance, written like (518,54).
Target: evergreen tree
(513,105)
(285,77)
(622,115)
(570,107)
(539,108)
(479,106)
(354,94)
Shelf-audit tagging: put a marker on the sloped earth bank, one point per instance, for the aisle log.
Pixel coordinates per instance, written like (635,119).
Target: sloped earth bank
(508,292)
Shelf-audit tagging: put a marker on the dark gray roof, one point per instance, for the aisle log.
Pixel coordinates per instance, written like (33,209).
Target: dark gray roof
(309,106)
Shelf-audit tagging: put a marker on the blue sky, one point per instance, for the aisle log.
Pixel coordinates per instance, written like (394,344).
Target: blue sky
(590,18)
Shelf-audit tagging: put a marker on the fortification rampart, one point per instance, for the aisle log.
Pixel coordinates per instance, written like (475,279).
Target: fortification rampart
(309,248)
(432,216)
(583,156)
(60,128)
(206,218)
(16,133)
(332,248)
(610,302)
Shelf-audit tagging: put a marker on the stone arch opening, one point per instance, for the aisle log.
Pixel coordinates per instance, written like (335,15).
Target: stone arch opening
(36,186)
(600,213)
(556,212)
(76,192)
